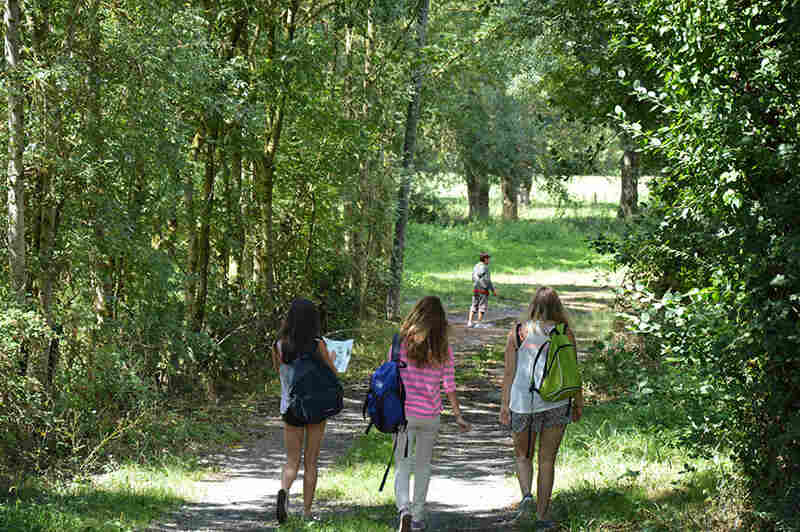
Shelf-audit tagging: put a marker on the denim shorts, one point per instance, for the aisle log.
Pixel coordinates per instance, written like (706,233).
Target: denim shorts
(540,420)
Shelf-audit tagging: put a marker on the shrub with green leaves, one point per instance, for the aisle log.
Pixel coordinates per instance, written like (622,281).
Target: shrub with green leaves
(722,232)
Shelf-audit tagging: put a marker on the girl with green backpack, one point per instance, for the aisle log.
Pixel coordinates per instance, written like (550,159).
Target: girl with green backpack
(524,409)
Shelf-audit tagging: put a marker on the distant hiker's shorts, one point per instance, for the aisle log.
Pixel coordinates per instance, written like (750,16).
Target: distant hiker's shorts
(540,420)
(480,303)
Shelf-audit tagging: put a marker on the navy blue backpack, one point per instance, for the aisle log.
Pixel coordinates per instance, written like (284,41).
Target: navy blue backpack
(386,398)
(316,392)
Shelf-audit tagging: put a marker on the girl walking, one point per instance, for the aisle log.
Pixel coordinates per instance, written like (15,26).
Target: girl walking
(430,368)
(299,333)
(527,413)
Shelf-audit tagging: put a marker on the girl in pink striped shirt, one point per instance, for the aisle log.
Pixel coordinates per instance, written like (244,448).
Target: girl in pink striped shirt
(430,368)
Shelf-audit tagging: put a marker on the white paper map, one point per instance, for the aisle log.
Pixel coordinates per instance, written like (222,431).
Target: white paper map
(342,349)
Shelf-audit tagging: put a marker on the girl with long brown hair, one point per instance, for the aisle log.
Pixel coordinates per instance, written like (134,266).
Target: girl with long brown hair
(430,368)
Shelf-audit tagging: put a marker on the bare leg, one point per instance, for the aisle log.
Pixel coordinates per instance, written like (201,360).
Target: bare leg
(469,320)
(293,440)
(314,434)
(480,316)
(549,442)
(524,463)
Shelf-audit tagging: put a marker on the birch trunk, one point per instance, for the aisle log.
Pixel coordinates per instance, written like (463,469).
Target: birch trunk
(15,236)
(409,147)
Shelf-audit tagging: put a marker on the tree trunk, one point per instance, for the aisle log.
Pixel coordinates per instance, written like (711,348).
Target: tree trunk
(629,169)
(104,263)
(204,244)
(363,234)
(471,177)
(237,210)
(47,222)
(509,189)
(265,178)
(247,261)
(266,189)
(526,185)
(477,193)
(16,145)
(483,197)
(228,222)
(355,206)
(190,277)
(409,146)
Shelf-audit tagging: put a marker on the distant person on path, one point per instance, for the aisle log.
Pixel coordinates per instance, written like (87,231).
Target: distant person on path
(481,286)
(299,333)
(430,367)
(527,413)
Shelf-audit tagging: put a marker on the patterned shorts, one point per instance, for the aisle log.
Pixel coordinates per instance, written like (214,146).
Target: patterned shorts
(540,420)
(480,303)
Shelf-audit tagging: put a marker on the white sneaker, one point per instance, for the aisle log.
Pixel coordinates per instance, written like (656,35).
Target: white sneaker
(469,325)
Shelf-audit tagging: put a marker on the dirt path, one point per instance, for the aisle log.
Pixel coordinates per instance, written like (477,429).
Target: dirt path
(471,486)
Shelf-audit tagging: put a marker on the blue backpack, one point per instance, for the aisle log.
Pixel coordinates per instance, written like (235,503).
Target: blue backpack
(386,398)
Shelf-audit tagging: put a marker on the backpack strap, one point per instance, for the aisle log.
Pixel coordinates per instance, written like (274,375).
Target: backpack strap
(389,465)
(396,347)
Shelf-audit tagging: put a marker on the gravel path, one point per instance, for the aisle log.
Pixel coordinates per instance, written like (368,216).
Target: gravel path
(472,486)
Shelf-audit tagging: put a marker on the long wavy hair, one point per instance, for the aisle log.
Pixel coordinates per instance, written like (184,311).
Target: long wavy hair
(426,333)
(300,330)
(546,306)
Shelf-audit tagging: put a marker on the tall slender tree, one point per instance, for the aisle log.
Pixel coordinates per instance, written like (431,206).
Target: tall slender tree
(409,147)
(16,147)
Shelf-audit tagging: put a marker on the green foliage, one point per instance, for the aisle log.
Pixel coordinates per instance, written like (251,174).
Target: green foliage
(425,205)
(720,246)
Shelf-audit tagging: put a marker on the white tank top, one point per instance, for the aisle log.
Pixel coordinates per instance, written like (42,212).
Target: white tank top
(287,375)
(523,401)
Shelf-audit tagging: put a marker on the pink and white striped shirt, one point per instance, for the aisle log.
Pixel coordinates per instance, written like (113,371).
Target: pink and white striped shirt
(424,385)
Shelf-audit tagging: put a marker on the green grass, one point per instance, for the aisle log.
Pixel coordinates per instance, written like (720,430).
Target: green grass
(619,469)
(127,499)
(540,248)
(358,473)
(362,519)
(132,494)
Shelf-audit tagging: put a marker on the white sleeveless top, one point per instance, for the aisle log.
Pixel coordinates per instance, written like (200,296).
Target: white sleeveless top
(522,400)
(287,375)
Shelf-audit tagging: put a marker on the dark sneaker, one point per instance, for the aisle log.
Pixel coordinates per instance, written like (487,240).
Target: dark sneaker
(545,524)
(417,525)
(405,522)
(282,502)
(525,508)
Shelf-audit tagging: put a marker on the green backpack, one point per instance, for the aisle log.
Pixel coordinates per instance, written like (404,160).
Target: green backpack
(561,379)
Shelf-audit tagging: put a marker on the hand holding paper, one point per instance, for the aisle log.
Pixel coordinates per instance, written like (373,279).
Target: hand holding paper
(342,349)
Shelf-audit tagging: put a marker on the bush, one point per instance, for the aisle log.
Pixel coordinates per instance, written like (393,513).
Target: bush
(425,207)
(717,254)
